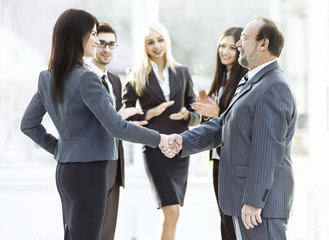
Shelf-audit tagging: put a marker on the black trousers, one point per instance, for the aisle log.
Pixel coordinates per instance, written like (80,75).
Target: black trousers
(112,202)
(82,188)
(226,225)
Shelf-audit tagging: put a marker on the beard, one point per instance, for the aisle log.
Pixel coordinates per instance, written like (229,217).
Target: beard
(101,60)
(244,61)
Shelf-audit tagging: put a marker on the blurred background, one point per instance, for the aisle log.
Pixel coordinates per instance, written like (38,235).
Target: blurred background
(29,203)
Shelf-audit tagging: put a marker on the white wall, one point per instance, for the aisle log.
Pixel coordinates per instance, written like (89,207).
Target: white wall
(30,209)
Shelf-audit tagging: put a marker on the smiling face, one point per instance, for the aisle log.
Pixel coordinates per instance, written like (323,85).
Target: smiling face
(104,55)
(248,46)
(91,44)
(227,52)
(155,46)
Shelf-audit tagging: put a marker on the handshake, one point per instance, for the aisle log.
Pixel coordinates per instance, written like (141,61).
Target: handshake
(170,145)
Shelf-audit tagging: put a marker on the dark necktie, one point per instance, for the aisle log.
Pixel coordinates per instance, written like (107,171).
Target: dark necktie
(105,83)
(242,82)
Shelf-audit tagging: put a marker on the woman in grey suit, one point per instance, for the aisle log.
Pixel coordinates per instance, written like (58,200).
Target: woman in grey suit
(228,73)
(164,89)
(87,124)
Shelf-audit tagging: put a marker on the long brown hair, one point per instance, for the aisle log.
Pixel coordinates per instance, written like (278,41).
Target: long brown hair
(70,34)
(237,72)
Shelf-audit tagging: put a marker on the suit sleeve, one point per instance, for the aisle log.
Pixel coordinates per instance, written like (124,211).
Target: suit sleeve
(97,100)
(204,137)
(130,98)
(32,127)
(194,118)
(271,119)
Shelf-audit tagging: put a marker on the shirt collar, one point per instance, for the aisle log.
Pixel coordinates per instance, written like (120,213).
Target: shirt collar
(96,70)
(254,71)
(155,66)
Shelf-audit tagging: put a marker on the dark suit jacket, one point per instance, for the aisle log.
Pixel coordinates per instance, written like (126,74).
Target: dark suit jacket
(181,91)
(117,88)
(255,133)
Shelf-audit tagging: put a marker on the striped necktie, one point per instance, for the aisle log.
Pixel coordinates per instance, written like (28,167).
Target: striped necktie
(242,82)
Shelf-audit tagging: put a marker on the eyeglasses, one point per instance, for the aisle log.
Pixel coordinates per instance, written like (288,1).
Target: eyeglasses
(103,44)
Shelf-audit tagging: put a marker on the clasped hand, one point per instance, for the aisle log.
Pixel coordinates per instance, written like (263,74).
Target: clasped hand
(170,145)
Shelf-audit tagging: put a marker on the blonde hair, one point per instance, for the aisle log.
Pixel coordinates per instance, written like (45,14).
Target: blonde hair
(138,77)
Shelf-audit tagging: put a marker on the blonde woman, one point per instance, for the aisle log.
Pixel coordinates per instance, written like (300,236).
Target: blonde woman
(164,90)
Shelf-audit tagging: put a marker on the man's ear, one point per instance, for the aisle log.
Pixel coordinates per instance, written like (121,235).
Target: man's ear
(264,44)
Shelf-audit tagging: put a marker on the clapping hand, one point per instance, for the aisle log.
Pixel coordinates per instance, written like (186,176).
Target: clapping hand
(205,105)
(170,145)
(158,110)
(128,112)
(182,114)
(131,111)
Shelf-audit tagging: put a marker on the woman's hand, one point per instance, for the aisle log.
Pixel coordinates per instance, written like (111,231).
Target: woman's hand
(128,112)
(202,97)
(158,110)
(182,114)
(205,105)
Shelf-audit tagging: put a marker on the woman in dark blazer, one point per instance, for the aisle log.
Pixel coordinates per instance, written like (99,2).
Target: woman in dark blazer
(87,124)
(228,73)
(164,90)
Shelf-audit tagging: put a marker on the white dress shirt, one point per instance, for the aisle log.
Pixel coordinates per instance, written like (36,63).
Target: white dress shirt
(164,84)
(100,73)
(253,72)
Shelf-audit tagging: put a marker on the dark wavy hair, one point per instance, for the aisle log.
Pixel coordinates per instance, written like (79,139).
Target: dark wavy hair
(71,31)
(237,72)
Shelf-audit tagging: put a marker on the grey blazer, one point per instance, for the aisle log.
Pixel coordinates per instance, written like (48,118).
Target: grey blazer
(255,134)
(86,121)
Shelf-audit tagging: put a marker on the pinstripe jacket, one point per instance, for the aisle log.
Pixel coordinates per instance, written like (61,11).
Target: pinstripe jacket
(255,133)
(86,121)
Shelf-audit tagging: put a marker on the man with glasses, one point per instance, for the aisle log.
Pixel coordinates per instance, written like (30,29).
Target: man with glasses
(104,53)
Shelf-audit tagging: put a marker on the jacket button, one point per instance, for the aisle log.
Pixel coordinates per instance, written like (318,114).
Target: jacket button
(222,144)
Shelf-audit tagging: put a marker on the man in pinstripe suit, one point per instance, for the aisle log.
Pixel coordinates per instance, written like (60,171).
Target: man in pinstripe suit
(255,133)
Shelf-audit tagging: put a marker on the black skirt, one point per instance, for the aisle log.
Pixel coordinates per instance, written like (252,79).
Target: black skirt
(168,176)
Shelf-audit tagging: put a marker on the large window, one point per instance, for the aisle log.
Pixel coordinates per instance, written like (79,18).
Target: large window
(25,49)
(194,27)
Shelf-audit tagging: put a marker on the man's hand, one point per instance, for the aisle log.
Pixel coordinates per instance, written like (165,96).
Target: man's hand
(164,146)
(128,112)
(173,145)
(182,114)
(251,216)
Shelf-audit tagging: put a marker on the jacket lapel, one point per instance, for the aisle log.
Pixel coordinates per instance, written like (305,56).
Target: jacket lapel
(251,82)
(116,90)
(155,86)
(173,84)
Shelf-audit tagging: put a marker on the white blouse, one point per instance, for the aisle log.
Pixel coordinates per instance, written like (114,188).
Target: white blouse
(165,84)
